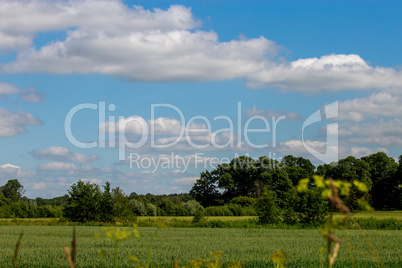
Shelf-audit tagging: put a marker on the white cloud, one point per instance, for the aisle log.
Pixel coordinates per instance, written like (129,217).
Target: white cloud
(51,151)
(137,44)
(92,180)
(62,154)
(9,166)
(27,95)
(137,125)
(12,124)
(111,38)
(166,126)
(31,95)
(374,106)
(74,171)
(8,89)
(57,166)
(296,147)
(106,169)
(330,72)
(10,171)
(81,158)
(186,181)
(365,151)
(269,114)
(39,185)
(23,19)
(172,135)
(378,133)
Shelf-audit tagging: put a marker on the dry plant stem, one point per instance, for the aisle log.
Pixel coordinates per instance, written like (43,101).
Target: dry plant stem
(17,248)
(335,202)
(176,263)
(335,254)
(68,257)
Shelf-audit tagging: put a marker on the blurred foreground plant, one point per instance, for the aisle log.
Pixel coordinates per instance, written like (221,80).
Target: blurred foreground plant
(212,261)
(332,190)
(117,234)
(278,258)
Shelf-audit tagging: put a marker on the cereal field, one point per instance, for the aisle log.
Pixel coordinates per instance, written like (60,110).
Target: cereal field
(42,246)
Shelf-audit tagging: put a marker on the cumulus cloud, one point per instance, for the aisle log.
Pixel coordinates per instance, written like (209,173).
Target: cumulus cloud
(378,133)
(9,166)
(31,95)
(168,134)
(12,124)
(10,171)
(62,154)
(8,89)
(269,114)
(297,147)
(24,19)
(92,180)
(365,151)
(186,181)
(27,95)
(138,44)
(374,106)
(111,38)
(39,185)
(58,166)
(330,72)
(139,126)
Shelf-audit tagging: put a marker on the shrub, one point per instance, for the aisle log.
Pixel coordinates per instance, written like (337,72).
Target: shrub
(198,216)
(151,209)
(267,208)
(218,211)
(192,206)
(138,207)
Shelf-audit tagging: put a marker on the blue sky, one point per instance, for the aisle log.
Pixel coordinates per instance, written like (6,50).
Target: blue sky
(212,68)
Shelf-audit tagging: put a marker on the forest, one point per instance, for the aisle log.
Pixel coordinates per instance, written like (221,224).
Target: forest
(244,187)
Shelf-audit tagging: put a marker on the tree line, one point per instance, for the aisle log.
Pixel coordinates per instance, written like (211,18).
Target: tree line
(14,205)
(243,187)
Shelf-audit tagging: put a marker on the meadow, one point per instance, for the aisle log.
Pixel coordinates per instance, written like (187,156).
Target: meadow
(42,246)
(360,214)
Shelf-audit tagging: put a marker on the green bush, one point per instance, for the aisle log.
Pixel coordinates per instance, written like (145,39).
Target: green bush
(192,207)
(218,211)
(198,216)
(267,208)
(138,207)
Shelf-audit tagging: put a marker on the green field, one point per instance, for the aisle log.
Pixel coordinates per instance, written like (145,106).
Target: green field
(42,246)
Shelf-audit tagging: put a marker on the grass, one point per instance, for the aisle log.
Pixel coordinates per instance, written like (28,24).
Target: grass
(379,214)
(378,220)
(42,246)
(361,214)
(190,218)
